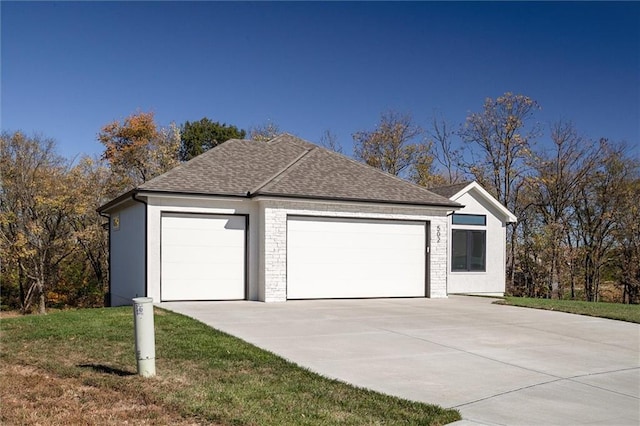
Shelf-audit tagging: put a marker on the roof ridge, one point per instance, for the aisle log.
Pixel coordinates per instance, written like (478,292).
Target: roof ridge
(274,139)
(280,173)
(291,139)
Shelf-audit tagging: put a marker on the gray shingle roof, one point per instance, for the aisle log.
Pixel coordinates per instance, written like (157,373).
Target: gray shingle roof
(449,190)
(325,174)
(289,167)
(232,168)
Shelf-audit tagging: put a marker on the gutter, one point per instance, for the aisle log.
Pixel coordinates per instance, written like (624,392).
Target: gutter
(253,194)
(450,205)
(132,195)
(119,199)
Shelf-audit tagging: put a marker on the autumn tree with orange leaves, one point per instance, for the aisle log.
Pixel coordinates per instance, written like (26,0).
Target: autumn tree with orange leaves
(138,150)
(576,200)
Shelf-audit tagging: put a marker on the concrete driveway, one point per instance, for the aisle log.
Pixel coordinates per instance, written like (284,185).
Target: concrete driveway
(498,365)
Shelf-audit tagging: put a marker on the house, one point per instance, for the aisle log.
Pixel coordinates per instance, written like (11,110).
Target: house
(476,240)
(278,220)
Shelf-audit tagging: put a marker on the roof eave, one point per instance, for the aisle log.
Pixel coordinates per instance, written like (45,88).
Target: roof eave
(508,216)
(449,205)
(149,192)
(118,200)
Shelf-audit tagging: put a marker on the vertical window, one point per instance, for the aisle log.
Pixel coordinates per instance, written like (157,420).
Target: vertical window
(468,250)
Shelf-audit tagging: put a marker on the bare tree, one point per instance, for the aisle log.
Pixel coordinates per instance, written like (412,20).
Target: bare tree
(329,140)
(392,146)
(423,171)
(627,236)
(264,132)
(603,191)
(555,185)
(445,154)
(499,143)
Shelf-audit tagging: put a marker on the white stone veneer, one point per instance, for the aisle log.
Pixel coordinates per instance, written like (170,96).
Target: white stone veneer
(273,250)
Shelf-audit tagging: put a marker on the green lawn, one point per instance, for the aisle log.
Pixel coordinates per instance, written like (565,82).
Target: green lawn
(204,377)
(616,311)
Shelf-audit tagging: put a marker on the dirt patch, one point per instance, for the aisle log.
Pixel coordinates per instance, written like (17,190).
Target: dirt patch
(32,396)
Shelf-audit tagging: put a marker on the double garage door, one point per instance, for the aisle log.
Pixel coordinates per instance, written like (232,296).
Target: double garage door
(204,257)
(342,258)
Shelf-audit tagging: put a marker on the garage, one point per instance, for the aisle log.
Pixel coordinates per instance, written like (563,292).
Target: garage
(203,257)
(285,219)
(345,258)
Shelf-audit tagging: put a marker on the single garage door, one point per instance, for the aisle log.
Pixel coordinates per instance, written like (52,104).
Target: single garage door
(203,257)
(342,258)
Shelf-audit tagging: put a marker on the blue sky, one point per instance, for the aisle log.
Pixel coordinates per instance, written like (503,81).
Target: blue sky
(68,68)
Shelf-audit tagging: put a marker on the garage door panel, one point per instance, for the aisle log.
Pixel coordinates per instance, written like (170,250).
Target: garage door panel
(193,292)
(202,240)
(203,257)
(194,271)
(333,258)
(321,284)
(338,256)
(191,233)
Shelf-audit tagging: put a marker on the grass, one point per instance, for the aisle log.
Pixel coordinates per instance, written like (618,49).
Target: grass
(616,311)
(78,367)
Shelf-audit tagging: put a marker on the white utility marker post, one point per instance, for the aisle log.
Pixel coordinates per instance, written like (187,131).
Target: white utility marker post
(145,336)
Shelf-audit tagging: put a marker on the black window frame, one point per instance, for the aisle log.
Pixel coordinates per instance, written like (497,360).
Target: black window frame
(468,219)
(469,249)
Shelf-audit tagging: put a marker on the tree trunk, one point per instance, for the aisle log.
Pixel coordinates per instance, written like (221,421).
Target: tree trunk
(23,293)
(573,281)
(42,308)
(588,278)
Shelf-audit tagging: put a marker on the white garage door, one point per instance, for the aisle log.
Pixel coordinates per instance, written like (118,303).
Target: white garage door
(341,258)
(203,257)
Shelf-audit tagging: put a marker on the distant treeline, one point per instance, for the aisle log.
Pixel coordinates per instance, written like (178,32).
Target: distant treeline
(576,199)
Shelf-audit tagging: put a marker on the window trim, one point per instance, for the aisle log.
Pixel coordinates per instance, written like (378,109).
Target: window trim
(469,219)
(469,248)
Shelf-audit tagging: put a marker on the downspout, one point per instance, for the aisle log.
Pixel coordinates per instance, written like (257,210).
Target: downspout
(146,242)
(107,301)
